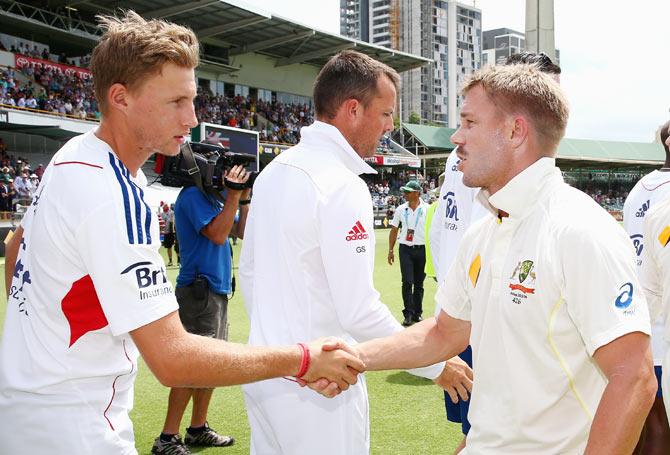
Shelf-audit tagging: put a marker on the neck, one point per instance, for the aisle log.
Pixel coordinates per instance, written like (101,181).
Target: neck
(122,144)
(345,130)
(413,204)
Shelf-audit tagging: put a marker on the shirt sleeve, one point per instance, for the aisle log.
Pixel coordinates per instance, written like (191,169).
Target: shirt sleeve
(600,285)
(129,278)
(349,264)
(395,221)
(452,294)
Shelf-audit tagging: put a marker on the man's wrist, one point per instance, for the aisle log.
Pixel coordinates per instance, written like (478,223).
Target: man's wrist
(304,361)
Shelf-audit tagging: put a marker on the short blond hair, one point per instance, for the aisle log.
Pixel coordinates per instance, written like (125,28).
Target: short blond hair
(132,48)
(525,89)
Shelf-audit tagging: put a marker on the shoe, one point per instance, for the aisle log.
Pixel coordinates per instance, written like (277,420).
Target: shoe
(169,264)
(417,319)
(174,446)
(407,322)
(208,438)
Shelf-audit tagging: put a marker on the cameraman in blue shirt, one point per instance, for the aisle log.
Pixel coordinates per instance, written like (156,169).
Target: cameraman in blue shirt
(204,282)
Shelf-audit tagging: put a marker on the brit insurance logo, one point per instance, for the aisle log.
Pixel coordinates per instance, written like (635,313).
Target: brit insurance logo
(151,279)
(451,212)
(522,281)
(637,240)
(356,233)
(638,244)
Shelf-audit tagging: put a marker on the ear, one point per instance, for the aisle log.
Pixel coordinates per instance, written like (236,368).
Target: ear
(118,97)
(351,108)
(519,131)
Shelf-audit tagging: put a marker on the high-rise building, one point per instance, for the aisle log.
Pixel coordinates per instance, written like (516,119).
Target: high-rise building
(500,43)
(424,27)
(540,27)
(354,19)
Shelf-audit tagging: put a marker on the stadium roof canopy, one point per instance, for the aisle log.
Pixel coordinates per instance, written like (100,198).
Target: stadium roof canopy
(232,26)
(431,138)
(434,142)
(50,131)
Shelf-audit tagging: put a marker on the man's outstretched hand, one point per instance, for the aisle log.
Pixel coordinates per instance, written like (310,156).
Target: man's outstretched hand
(333,367)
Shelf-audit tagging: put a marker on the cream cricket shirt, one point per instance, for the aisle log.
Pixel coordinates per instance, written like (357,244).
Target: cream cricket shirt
(652,189)
(544,289)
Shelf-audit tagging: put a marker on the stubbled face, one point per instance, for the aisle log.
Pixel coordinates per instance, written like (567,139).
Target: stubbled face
(374,120)
(160,111)
(482,149)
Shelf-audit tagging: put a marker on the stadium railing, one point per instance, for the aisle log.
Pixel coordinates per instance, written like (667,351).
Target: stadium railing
(40,111)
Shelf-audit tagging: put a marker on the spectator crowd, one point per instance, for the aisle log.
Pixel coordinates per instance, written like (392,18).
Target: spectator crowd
(49,90)
(275,121)
(18,182)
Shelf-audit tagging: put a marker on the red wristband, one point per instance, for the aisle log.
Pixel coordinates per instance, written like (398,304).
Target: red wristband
(304,362)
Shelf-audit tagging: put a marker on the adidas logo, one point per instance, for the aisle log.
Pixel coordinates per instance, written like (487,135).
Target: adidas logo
(357,232)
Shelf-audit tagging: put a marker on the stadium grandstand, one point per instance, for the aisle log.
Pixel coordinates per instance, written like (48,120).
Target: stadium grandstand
(256,73)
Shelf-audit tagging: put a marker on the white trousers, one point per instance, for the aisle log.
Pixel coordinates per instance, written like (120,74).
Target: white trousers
(289,420)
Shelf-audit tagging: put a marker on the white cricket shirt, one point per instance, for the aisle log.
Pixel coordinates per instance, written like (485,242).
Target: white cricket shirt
(655,277)
(306,271)
(544,289)
(88,272)
(408,219)
(655,274)
(457,209)
(647,192)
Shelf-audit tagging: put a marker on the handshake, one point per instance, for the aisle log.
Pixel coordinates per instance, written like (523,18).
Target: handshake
(329,366)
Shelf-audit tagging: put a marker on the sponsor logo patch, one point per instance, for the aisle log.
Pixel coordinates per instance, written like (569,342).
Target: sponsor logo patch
(642,210)
(637,243)
(151,279)
(625,298)
(356,233)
